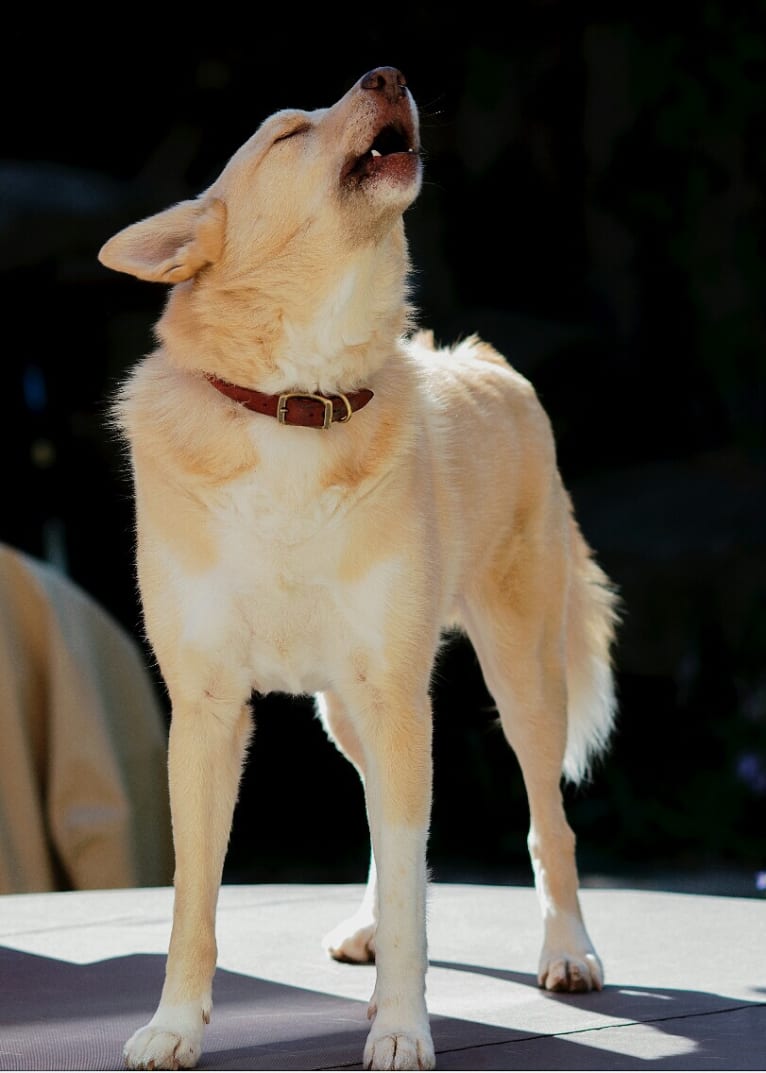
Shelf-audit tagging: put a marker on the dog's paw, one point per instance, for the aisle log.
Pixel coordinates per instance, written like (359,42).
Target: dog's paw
(353,940)
(171,1040)
(390,1047)
(570,972)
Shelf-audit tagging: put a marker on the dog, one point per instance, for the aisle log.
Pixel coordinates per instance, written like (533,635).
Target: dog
(322,494)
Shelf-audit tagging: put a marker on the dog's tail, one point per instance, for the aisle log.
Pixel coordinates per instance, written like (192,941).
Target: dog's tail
(592,617)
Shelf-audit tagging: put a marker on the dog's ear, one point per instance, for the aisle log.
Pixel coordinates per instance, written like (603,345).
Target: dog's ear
(170,246)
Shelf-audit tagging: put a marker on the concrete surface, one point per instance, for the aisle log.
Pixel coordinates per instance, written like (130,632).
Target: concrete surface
(685,980)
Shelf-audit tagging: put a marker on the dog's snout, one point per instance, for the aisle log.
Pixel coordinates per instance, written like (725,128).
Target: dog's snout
(386,80)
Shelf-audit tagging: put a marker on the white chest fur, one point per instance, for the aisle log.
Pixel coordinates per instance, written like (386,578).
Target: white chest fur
(274,608)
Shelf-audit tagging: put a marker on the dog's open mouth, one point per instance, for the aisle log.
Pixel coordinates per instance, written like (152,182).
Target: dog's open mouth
(392,153)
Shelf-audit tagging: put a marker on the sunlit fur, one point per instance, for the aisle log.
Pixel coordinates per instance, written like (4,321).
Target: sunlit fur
(331,562)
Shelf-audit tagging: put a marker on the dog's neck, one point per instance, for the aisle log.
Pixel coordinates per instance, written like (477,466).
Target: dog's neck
(329,335)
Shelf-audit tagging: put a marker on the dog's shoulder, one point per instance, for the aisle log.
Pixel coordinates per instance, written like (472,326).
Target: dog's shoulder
(471,357)
(470,365)
(476,396)
(164,413)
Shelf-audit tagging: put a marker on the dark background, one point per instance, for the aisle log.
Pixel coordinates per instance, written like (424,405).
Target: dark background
(593,206)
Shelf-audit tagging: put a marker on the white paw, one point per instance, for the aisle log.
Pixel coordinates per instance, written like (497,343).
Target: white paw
(171,1040)
(352,940)
(560,971)
(399,1048)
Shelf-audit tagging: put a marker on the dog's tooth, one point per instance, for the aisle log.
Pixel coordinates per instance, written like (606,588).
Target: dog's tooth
(374,152)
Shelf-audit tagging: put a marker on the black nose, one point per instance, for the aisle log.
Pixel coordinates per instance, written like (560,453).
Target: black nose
(386,80)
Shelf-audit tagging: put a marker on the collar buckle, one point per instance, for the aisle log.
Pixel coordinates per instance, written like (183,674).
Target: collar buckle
(327,403)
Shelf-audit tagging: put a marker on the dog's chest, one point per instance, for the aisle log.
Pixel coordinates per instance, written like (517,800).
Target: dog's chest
(276,602)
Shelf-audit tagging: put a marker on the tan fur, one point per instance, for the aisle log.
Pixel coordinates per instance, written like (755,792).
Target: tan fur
(331,561)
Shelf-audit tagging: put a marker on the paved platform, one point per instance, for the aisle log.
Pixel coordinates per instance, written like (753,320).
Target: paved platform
(685,980)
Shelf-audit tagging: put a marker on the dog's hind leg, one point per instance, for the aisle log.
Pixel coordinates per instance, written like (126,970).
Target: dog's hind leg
(354,938)
(206,749)
(523,661)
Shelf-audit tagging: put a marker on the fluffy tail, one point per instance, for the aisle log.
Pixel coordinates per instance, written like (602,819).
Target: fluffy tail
(592,617)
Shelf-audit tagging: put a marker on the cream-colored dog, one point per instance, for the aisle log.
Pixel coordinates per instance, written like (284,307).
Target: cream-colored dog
(319,494)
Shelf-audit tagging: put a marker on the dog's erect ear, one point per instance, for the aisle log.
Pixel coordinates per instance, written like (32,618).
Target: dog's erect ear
(170,246)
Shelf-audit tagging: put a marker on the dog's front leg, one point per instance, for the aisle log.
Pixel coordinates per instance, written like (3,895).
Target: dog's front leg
(397,747)
(206,749)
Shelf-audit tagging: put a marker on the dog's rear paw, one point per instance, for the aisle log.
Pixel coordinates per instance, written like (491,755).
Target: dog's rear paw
(167,1042)
(352,940)
(567,972)
(399,1050)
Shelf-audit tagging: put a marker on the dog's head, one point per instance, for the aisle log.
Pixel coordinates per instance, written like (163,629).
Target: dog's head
(306,187)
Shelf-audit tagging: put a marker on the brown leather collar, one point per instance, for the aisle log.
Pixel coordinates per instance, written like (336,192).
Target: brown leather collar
(296,407)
